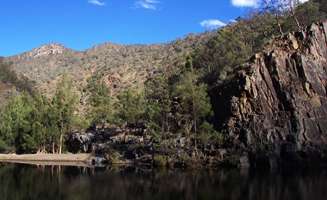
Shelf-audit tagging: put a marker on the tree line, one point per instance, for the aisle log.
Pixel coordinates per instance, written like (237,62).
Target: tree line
(31,122)
(168,104)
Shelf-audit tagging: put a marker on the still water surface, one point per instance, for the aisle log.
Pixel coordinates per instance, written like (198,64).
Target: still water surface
(23,182)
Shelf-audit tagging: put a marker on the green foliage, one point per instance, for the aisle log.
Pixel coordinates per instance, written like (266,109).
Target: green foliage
(4,147)
(22,124)
(305,14)
(131,106)
(194,103)
(194,100)
(310,13)
(80,122)
(158,104)
(225,51)
(178,103)
(208,134)
(102,104)
(63,106)
(33,123)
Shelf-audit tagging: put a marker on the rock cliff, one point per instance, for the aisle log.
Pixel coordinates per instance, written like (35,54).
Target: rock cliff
(277,103)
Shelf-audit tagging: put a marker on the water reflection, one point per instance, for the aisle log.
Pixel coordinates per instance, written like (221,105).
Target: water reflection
(23,182)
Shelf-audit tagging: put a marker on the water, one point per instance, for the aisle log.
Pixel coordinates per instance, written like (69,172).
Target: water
(23,182)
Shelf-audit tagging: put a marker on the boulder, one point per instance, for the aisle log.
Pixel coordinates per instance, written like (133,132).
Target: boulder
(80,142)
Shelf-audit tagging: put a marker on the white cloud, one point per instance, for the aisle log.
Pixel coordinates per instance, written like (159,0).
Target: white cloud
(256,3)
(97,2)
(147,4)
(212,24)
(245,3)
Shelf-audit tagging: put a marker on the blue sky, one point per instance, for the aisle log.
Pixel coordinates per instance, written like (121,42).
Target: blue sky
(81,24)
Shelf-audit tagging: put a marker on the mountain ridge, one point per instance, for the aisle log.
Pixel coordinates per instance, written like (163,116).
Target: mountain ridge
(129,63)
(109,43)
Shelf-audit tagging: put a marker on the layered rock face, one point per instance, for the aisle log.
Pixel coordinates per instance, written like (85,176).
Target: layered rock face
(277,103)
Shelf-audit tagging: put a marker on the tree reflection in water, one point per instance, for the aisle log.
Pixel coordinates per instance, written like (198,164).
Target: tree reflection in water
(23,182)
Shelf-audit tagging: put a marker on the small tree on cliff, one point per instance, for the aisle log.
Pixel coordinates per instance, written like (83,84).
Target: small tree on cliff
(285,11)
(276,8)
(63,107)
(292,7)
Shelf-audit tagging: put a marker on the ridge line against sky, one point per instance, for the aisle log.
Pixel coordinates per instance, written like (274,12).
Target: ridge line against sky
(81,24)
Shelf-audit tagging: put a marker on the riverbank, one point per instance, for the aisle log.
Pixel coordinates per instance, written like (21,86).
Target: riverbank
(49,159)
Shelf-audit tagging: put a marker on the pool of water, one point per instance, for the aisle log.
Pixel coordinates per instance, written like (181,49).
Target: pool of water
(24,182)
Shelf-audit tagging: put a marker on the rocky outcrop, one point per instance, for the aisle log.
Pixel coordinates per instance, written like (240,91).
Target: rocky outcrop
(45,50)
(129,144)
(277,103)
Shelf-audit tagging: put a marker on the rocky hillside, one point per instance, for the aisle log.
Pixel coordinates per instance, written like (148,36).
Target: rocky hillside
(273,111)
(118,65)
(277,102)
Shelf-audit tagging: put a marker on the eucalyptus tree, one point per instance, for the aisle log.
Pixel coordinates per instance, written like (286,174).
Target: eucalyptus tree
(63,108)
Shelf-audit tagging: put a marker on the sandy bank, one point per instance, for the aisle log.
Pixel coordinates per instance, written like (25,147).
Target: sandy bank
(53,158)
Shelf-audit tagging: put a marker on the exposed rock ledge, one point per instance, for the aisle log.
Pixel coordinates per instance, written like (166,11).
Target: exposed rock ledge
(277,103)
